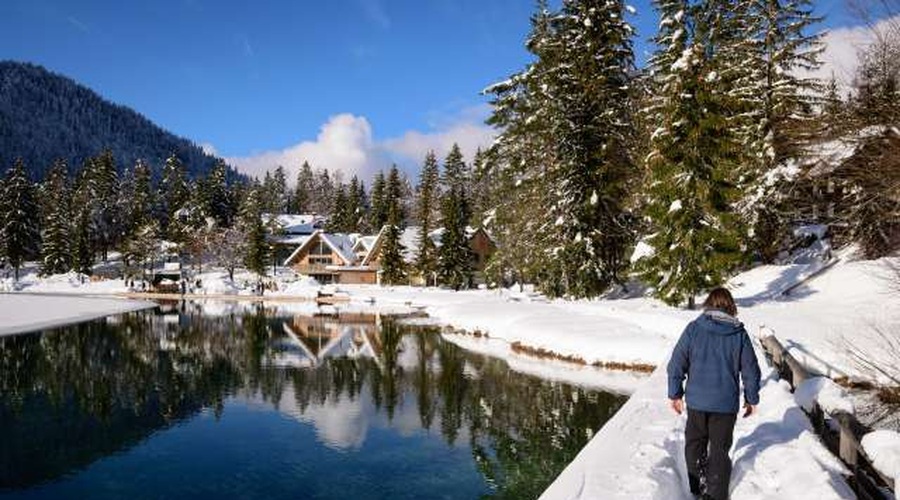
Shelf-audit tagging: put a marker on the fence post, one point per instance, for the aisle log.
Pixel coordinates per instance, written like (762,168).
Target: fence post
(849,444)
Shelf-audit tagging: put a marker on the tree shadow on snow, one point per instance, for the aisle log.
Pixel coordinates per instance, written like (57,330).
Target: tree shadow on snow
(748,448)
(784,288)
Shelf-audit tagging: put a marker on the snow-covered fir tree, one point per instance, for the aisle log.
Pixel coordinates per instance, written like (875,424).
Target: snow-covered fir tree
(19,218)
(454,255)
(394,190)
(173,190)
(356,199)
(218,199)
(393,265)
(516,161)
(428,195)
(693,230)
(323,192)
(256,248)
(590,120)
(378,212)
(56,251)
(341,213)
(775,53)
(277,192)
(82,225)
(564,148)
(103,184)
(303,191)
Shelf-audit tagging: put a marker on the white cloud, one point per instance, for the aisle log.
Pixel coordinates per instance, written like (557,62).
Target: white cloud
(465,127)
(842,47)
(345,143)
(414,145)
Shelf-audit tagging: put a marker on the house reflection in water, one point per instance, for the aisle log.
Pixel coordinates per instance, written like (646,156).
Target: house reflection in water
(310,340)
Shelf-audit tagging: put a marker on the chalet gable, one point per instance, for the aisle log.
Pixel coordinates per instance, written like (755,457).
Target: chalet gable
(323,246)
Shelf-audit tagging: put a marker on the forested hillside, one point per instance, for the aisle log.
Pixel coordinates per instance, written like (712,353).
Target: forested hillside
(45,116)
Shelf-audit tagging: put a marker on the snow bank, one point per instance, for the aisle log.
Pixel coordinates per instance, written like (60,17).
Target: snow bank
(639,453)
(22,313)
(830,396)
(883,447)
(71,283)
(619,382)
(304,287)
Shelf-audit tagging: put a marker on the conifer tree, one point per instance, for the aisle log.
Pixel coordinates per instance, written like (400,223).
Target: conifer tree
(56,228)
(280,198)
(516,162)
(82,225)
(103,184)
(323,199)
(256,248)
(694,233)
(355,208)
(393,266)
(481,188)
(455,256)
(378,214)
(393,197)
(303,191)
(564,151)
(19,218)
(142,202)
(589,118)
(340,212)
(777,117)
(173,190)
(426,258)
(218,199)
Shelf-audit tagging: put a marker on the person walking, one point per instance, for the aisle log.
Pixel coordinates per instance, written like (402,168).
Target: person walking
(712,352)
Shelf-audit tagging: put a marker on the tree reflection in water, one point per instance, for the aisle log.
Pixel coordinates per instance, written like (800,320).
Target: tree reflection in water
(71,396)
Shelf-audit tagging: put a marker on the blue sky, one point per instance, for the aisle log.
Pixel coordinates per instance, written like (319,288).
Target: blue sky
(270,81)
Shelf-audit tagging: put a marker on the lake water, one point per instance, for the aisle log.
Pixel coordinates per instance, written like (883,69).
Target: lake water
(181,403)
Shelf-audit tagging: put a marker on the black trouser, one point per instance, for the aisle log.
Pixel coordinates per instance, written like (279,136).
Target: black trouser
(707,439)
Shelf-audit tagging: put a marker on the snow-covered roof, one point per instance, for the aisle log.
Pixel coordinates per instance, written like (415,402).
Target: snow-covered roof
(341,244)
(409,239)
(365,243)
(296,239)
(293,224)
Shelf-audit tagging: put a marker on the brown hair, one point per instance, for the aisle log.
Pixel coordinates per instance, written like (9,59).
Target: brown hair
(721,299)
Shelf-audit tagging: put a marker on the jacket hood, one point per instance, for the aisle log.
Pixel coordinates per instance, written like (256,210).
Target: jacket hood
(720,322)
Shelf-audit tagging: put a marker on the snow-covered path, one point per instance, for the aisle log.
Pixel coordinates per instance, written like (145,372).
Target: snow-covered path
(639,453)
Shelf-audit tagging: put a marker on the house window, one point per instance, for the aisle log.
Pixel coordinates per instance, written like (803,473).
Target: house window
(320,248)
(320,261)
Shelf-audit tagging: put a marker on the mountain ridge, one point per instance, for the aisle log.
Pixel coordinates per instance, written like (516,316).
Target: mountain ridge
(45,116)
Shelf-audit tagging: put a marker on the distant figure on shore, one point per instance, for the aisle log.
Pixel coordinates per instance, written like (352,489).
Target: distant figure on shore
(712,352)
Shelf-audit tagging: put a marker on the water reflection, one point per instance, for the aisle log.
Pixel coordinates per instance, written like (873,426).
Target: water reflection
(70,397)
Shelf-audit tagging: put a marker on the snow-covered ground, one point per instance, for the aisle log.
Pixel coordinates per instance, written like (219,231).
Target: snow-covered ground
(26,312)
(638,453)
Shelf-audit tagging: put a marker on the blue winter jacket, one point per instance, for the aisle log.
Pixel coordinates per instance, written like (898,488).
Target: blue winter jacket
(712,351)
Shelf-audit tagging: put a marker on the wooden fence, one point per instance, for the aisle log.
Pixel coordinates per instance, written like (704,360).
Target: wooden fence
(840,431)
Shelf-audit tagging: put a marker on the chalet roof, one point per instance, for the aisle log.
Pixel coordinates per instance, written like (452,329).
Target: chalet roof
(341,244)
(293,224)
(409,241)
(364,243)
